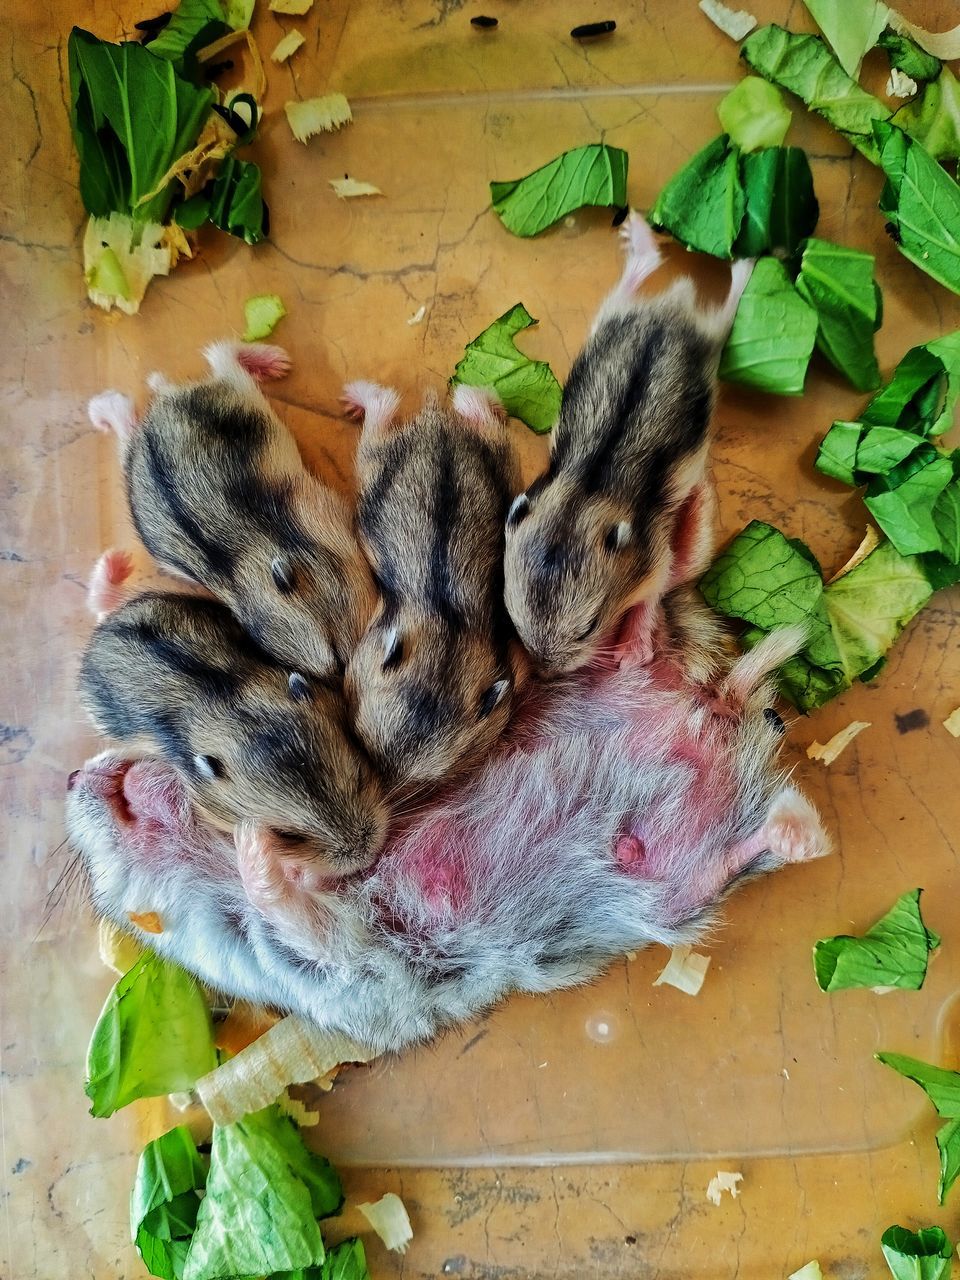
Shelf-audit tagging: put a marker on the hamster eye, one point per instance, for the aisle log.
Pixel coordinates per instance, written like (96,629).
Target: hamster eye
(299,687)
(590,630)
(288,837)
(491,698)
(618,535)
(284,579)
(209,767)
(519,508)
(392,649)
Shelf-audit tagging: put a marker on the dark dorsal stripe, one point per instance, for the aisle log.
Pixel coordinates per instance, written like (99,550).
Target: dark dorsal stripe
(226,416)
(218,561)
(446,502)
(269,508)
(391,459)
(172,652)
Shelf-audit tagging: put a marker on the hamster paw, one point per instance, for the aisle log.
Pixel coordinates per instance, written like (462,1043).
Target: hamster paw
(794,830)
(643,252)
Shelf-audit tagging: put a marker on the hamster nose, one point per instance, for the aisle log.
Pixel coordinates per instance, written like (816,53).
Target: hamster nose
(72,779)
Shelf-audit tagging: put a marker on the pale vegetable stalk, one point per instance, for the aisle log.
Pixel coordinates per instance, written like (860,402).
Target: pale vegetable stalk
(723,1181)
(685,970)
(390,1221)
(828,752)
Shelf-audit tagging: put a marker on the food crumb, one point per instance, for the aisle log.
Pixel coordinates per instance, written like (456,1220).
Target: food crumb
(417,315)
(723,1181)
(828,751)
(952,723)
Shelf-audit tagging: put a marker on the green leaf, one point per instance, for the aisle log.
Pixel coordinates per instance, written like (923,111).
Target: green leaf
(893,953)
(154,1036)
(940,1085)
(265,1191)
(236,201)
(347,1261)
(165,1201)
(763,579)
(805,66)
(773,334)
(948,1144)
(262,313)
(853,452)
(528,389)
(933,117)
(904,510)
(781,208)
(923,204)
(923,391)
(939,571)
(193,25)
(906,55)
(703,204)
(132,117)
(754,114)
(838,283)
(852,28)
(924,1255)
(591,175)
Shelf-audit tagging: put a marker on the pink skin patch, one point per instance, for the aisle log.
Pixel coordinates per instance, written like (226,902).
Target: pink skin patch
(263,360)
(630,852)
(105,591)
(435,865)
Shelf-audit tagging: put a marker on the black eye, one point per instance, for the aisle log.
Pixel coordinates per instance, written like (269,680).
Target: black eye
(618,535)
(590,630)
(491,698)
(392,650)
(284,579)
(209,767)
(519,509)
(289,837)
(299,687)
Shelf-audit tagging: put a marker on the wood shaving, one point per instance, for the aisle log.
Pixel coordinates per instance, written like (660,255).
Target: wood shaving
(417,315)
(118,950)
(295,8)
(721,1182)
(810,1272)
(288,46)
(685,970)
(869,542)
(828,751)
(942,44)
(389,1219)
(348,188)
(317,115)
(952,723)
(735,23)
(900,85)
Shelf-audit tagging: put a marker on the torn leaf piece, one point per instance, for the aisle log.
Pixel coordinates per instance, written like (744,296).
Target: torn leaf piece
(290,1052)
(851,30)
(686,970)
(586,176)
(193,25)
(923,391)
(120,258)
(233,202)
(828,752)
(810,1272)
(171,1176)
(723,1181)
(892,953)
(288,46)
(922,203)
(933,119)
(293,8)
(754,114)
(952,723)
(703,204)
(941,44)
(262,313)
(941,1085)
(920,1255)
(917,504)
(773,334)
(899,85)
(265,1192)
(153,1037)
(348,188)
(735,23)
(528,389)
(838,283)
(908,58)
(389,1219)
(317,115)
(805,66)
(781,207)
(948,1145)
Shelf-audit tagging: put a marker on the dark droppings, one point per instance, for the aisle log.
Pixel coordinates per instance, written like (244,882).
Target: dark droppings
(910,720)
(483,23)
(589,29)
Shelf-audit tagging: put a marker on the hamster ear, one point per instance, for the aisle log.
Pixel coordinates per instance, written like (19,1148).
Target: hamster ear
(519,508)
(618,535)
(299,687)
(284,578)
(494,695)
(392,649)
(208,767)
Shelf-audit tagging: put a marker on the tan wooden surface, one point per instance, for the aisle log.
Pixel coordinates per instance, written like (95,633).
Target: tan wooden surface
(761,1073)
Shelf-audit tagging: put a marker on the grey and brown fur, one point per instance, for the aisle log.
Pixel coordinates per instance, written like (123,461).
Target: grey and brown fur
(176,677)
(431,681)
(592,535)
(219,494)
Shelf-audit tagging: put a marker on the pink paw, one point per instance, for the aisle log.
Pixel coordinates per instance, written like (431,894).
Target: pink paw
(793,828)
(105,590)
(113,411)
(260,866)
(643,252)
(263,360)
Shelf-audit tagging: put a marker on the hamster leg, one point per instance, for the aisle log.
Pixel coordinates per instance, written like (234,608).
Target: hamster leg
(634,643)
(376,405)
(113,411)
(479,406)
(105,591)
(237,362)
(791,832)
(643,258)
(740,274)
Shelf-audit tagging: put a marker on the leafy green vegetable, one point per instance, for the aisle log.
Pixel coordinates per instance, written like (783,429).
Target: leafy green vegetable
(906,55)
(853,452)
(773,334)
(948,1144)
(933,117)
(261,315)
(153,1037)
(838,283)
(903,501)
(852,29)
(591,175)
(924,1255)
(264,1193)
(941,1086)
(193,25)
(703,204)
(781,208)
(893,953)
(754,114)
(132,116)
(805,66)
(923,391)
(233,202)
(165,1201)
(923,204)
(528,389)
(768,580)
(345,1262)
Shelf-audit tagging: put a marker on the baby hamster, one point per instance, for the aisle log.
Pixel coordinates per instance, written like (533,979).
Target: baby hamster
(219,494)
(431,682)
(177,677)
(591,536)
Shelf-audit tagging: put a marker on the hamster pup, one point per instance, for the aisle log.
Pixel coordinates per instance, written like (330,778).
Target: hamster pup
(176,676)
(431,682)
(219,494)
(591,536)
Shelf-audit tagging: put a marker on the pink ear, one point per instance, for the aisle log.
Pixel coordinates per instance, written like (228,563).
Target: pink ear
(479,406)
(691,543)
(105,591)
(375,405)
(113,411)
